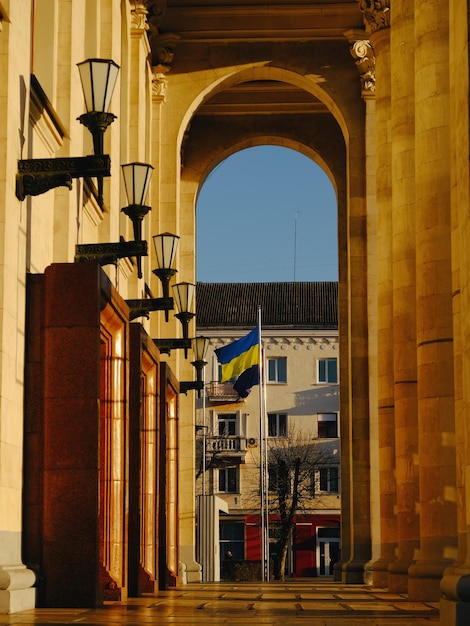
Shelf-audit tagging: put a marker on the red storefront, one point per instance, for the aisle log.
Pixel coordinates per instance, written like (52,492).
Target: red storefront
(315,543)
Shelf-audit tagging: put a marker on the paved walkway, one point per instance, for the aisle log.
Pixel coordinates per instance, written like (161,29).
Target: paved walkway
(293,603)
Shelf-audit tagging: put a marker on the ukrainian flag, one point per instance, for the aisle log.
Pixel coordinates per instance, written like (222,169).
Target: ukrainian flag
(240,356)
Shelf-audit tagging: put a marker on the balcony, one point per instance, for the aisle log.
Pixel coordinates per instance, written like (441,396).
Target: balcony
(226,444)
(222,392)
(226,451)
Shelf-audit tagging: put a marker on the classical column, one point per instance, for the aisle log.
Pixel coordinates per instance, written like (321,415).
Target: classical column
(380,40)
(404,286)
(353,302)
(376,16)
(455,585)
(436,421)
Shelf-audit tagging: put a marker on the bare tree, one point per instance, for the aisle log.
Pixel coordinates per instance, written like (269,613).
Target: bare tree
(292,462)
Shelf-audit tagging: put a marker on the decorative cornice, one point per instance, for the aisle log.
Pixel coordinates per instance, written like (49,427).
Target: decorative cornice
(155,11)
(364,56)
(376,14)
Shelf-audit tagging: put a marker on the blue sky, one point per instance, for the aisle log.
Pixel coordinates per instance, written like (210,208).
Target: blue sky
(266,214)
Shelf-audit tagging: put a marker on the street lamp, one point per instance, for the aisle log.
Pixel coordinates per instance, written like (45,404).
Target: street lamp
(36,176)
(165,246)
(200,346)
(98,77)
(136,183)
(183,298)
(183,295)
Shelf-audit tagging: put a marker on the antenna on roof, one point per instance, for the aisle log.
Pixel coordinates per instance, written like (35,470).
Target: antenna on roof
(295,240)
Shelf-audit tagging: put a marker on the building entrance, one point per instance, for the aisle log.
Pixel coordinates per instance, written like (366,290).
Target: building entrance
(328,550)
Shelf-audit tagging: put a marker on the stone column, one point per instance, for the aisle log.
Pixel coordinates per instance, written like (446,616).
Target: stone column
(455,585)
(380,40)
(16,580)
(404,285)
(436,421)
(364,56)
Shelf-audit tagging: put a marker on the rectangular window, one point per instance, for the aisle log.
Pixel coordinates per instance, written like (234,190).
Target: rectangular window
(232,540)
(326,480)
(327,371)
(277,425)
(227,424)
(277,370)
(327,425)
(228,480)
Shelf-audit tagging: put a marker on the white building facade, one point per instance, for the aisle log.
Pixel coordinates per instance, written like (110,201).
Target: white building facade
(301,399)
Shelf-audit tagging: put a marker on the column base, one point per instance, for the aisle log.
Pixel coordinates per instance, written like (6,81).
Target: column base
(353,572)
(455,601)
(454,613)
(398,576)
(192,571)
(379,571)
(424,581)
(16,589)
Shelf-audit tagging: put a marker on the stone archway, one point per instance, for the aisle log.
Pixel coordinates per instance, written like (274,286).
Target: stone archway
(223,124)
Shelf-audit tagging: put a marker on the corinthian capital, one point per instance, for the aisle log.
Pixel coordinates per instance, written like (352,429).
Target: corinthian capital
(376,14)
(364,55)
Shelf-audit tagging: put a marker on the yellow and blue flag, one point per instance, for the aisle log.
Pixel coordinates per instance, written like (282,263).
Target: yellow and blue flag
(241,358)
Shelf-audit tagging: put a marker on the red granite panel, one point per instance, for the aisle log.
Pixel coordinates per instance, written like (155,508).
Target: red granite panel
(71,538)
(72,431)
(73,362)
(71,293)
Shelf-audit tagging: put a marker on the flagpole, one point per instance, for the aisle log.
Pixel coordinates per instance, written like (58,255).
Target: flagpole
(266,466)
(204,434)
(262,455)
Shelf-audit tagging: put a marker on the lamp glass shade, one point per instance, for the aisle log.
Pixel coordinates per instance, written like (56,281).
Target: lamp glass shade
(136,181)
(184,293)
(98,78)
(200,346)
(165,249)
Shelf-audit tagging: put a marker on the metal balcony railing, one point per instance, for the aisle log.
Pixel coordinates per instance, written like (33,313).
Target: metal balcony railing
(221,392)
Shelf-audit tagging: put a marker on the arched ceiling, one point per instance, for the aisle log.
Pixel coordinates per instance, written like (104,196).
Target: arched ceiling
(303,37)
(196,24)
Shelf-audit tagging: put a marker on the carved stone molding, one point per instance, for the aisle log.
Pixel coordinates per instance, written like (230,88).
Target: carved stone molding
(163,51)
(376,14)
(139,23)
(155,11)
(159,86)
(364,56)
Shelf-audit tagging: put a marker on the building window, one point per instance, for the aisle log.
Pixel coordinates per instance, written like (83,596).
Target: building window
(327,425)
(326,480)
(327,371)
(227,424)
(228,480)
(277,370)
(232,541)
(277,425)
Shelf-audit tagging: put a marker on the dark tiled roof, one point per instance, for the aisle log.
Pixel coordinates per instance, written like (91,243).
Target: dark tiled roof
(285,305)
